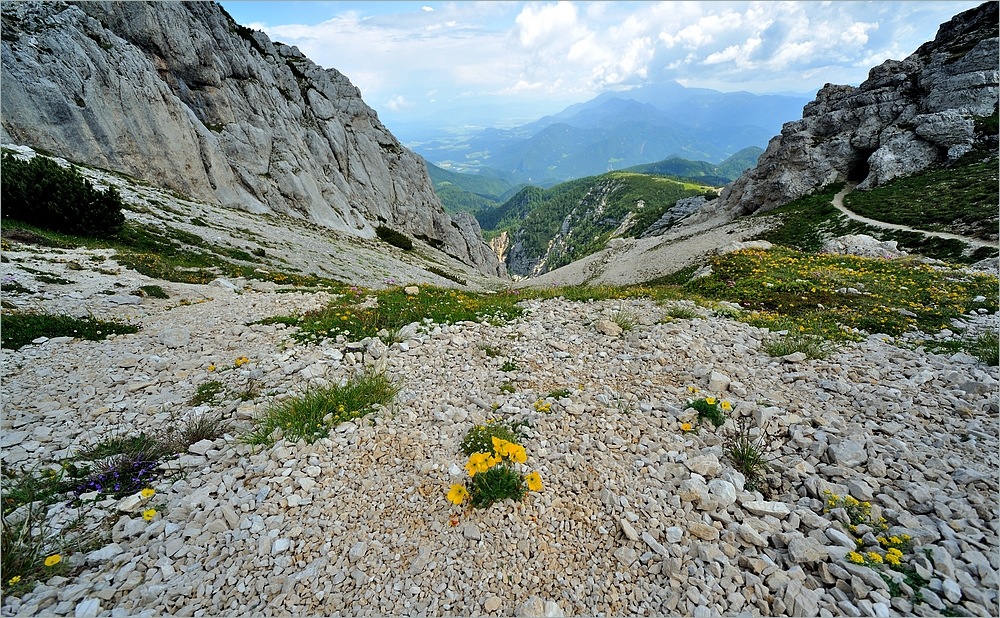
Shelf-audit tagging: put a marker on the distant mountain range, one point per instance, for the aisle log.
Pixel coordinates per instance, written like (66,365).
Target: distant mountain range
(615,131)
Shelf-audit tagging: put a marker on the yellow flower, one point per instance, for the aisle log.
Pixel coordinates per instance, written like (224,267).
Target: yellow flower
(894,552)
(725,405)
(692,389)
(895,540)
(686,427)
(148,492)
(14,580)
(517,453)
(457,494)
(53,560)
(892,559)
(479,462)
(534,481)
(211,367)
(875,557)
(243,360)
(500,446)
(710,401)
(149,514)
(855,557)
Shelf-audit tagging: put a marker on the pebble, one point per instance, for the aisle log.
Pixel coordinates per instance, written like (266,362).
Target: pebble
(358,523)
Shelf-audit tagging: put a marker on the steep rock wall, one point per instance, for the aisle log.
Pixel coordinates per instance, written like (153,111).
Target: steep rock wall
(181,96)
(907,116)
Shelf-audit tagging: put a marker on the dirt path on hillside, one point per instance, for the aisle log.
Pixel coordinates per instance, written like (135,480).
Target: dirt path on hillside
(838,203)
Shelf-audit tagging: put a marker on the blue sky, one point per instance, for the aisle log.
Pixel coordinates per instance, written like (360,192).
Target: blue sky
(411,59)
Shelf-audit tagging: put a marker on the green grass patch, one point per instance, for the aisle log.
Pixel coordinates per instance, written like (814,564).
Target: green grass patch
(959,200)
(359,314)
(806,293)
(812,346)
(807,221)
(678,312)
(316,412)
(152,291)
(206,393)
(21,328)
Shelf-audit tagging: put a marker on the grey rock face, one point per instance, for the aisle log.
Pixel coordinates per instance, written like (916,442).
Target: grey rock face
(179,95)
(906,116)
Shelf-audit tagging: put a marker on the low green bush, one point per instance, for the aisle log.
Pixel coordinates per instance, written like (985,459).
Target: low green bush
(394,238)
(43,193)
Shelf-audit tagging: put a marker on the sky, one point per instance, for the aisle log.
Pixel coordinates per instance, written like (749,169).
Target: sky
(414,59)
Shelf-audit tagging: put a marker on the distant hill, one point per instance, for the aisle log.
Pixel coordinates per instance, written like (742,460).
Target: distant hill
(538,229)
(483,194)
(470,193)
(707,173)
(615,131)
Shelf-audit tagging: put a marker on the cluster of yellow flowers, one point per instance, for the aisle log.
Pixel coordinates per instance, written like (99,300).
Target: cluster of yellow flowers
(859,513)
(543,407)
(505,453)
(242,360)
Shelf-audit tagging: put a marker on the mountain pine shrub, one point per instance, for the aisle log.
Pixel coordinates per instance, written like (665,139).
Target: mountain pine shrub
(43,193)
(394,238)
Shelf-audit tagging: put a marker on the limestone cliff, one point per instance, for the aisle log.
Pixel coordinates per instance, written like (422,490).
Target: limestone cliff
(181,96)
(907,116)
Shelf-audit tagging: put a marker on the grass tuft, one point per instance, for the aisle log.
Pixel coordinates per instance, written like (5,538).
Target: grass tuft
(316,412)
(812,346)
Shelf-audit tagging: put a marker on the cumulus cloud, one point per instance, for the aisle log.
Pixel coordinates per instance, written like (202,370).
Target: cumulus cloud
(397,103)
(574,50)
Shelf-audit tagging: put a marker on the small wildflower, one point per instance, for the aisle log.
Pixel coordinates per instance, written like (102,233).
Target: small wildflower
(53,560)
(710,401)
(149,514)
(534,481)
(686,427)
(875,557)
(13,580)
(457,494)
(211,367)
(725,405)
(892,559)
(147,493)
(855,557)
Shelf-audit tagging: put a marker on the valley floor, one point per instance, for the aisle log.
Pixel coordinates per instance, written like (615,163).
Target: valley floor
(636,516)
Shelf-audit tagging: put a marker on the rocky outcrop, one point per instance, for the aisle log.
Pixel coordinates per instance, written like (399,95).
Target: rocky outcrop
(181,96)
(678,211)
(906,116)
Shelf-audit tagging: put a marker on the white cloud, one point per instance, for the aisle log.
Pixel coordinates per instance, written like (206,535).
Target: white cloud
(397,103)
(573,50)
